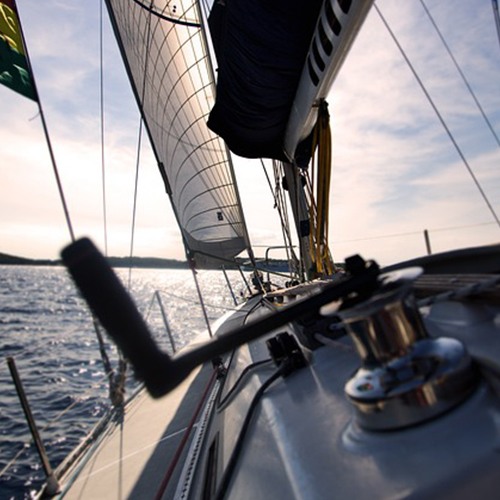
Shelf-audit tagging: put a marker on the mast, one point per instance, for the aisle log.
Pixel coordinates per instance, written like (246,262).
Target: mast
(311,210)
(337,26)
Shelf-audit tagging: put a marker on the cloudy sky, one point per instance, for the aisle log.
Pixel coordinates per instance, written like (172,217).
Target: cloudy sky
(395,171)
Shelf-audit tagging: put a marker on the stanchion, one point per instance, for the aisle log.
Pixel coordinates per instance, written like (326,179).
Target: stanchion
(52,484)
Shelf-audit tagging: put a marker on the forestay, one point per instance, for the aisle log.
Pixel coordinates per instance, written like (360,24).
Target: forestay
(165,53)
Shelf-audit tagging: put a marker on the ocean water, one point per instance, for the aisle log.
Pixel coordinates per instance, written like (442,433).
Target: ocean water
(46,327)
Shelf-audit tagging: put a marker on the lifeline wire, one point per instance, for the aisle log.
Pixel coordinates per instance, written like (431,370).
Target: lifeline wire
(413,233)
(443,123)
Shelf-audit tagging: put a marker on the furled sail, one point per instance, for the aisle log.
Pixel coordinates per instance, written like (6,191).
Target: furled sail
(165,54)
(277,60)
(261,48)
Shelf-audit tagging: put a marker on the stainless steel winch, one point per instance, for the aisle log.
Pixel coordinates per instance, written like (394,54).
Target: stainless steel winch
(406,376)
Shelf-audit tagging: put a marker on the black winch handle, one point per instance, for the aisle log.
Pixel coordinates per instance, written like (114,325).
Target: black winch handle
(117,312)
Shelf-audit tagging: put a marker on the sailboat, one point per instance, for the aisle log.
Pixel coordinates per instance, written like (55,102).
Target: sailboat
(350,382)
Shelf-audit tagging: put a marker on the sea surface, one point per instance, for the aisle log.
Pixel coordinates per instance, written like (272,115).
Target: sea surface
(46,327)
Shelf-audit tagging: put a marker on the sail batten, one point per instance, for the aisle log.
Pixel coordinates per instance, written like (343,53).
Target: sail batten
(164,51)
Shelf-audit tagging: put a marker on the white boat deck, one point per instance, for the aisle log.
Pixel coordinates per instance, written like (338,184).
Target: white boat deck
(133,457)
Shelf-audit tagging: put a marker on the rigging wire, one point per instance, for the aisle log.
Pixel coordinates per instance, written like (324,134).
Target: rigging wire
(285,224)
(206,8)
(56,174)
(494,4)
(103,163)
(457,66)
(200,297)
(116,380)
(134,209)
(440,117)
(296,202)
(281,199)
(139,147)
(47,135)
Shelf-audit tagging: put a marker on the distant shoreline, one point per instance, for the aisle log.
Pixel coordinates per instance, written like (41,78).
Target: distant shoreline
(136,262)
(142,263)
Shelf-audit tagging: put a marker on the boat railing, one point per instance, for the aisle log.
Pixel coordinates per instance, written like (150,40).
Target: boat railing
(268,250)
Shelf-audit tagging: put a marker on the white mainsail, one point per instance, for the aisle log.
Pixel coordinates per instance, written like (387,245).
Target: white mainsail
(165,53)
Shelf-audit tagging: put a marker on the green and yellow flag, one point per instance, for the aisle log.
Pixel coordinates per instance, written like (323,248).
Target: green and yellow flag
(14,69)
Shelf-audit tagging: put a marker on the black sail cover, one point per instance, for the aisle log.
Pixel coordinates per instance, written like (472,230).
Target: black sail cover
(261,46)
